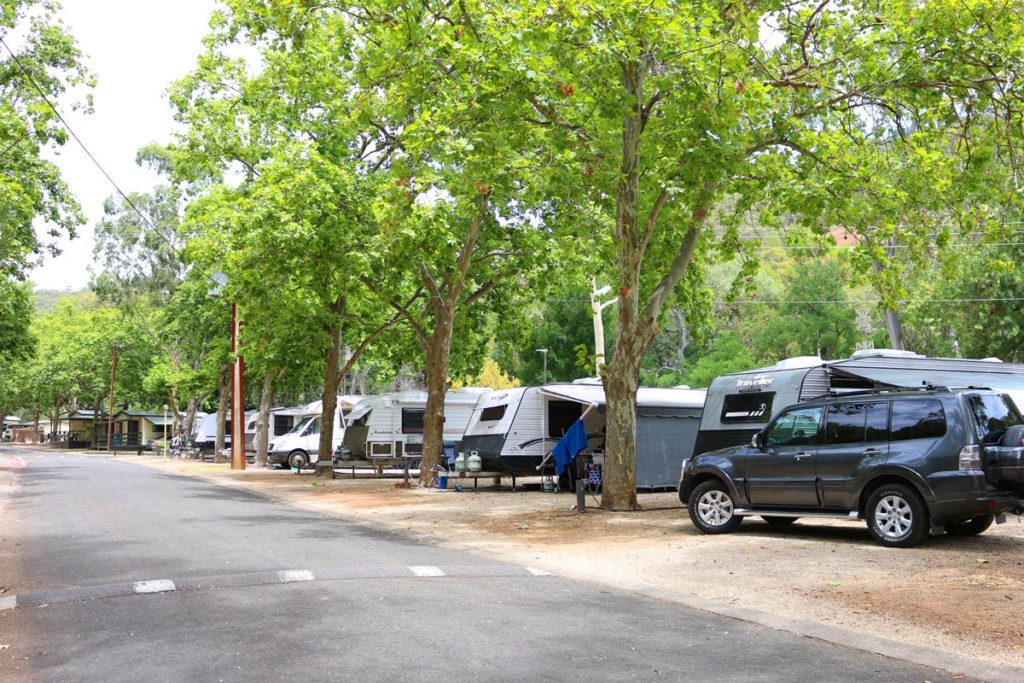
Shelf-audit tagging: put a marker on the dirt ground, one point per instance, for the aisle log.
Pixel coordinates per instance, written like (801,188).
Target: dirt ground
(961,595)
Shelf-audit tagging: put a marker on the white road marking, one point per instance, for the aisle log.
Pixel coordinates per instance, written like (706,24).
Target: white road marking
(10,602)
(538,572)
(157,586)
(290,575)
(426,571)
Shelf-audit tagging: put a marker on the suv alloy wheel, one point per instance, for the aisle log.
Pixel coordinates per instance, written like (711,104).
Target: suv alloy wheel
(712,508)
(896,516)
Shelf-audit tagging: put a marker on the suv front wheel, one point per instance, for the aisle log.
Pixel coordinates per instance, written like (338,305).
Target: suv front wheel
(712,509)
(896,516)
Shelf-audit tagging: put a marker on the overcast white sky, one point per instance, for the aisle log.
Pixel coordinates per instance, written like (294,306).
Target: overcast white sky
(135,48)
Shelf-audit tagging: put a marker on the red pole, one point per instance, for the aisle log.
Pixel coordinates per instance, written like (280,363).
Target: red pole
(237,396)
(110,407)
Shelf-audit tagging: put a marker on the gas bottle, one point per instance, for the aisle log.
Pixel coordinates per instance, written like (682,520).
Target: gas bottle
(460,462)
(474,463)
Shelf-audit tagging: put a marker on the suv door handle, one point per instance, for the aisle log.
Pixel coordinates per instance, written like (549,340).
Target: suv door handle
(802,456)
(871,451)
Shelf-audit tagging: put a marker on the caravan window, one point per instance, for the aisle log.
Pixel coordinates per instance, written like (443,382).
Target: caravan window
(412,420)
(753,407)
(561,416)
(282,424)
(492,414)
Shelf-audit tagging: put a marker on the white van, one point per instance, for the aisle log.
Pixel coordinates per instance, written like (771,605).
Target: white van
(301,446)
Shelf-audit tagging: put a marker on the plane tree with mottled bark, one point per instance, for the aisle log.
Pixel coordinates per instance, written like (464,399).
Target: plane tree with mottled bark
(667,107)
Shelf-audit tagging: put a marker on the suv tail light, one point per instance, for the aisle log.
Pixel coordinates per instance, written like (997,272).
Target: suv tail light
(970,457)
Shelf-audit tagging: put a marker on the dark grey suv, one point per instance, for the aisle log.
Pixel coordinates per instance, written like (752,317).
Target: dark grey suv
(909,463)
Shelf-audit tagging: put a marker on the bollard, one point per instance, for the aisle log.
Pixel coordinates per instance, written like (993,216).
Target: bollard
(581,498)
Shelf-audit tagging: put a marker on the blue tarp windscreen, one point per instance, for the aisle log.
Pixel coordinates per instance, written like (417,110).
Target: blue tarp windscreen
(574,441)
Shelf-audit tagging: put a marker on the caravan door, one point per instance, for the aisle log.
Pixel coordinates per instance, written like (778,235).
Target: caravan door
(783,473)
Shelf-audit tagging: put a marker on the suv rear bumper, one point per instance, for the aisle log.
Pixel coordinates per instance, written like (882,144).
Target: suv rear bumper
(949,510)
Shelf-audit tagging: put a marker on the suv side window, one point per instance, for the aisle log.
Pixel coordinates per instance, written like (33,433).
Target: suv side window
(795,428)
(857,423)
(878,422)
(917,419)
(846,423)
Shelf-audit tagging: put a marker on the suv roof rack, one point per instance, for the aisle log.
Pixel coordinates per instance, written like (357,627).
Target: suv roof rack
(925,386)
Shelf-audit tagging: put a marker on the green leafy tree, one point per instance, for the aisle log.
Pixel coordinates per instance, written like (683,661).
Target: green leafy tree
(815,317)
(42,65)
(467,221)
(296,232)
(726,353)
(16,310)
(668,107)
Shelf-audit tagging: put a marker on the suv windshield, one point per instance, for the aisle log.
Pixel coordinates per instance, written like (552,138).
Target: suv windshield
(993,415)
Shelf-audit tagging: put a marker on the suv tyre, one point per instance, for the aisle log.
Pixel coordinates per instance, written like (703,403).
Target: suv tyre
(969,527)
(712,509)
(896,516)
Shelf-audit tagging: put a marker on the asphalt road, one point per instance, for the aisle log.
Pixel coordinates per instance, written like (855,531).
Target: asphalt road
(114,572)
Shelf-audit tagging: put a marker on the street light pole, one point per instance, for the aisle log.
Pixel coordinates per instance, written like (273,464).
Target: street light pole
(598,306)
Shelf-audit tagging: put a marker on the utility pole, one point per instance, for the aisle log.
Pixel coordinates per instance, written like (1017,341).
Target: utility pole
(598,306)
(110,407)
(237,396)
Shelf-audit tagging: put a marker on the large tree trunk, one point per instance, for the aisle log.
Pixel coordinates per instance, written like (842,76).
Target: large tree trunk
(223,405)
(332,379)
(96,405)
(684,336)
(894,326)
(190,417)
(437,356)
(263,422)
(621,374)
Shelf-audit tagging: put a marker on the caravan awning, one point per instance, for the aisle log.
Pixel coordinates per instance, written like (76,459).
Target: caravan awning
(647,397)
(913,373)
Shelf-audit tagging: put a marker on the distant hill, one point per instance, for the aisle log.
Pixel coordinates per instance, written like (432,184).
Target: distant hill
(46,299)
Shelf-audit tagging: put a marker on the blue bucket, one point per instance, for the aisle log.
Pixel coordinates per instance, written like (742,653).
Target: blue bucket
(442,482)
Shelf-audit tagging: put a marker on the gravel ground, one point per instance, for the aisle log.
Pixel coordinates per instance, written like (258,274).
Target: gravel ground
(962,595)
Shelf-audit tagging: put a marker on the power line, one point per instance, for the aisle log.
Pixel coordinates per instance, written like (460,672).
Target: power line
(779,302)
(145,219)
(764,247)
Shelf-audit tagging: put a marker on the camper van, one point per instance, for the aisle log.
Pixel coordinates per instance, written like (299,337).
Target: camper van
(389,427)
(300,447)
(739,405)
(514,430)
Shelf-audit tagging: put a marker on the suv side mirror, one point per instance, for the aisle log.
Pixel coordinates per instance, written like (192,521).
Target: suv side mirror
(757,441)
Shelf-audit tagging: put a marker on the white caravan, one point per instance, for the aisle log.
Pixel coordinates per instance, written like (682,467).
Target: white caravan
(514,430)
(390,427)
(205,436)
(300,447)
